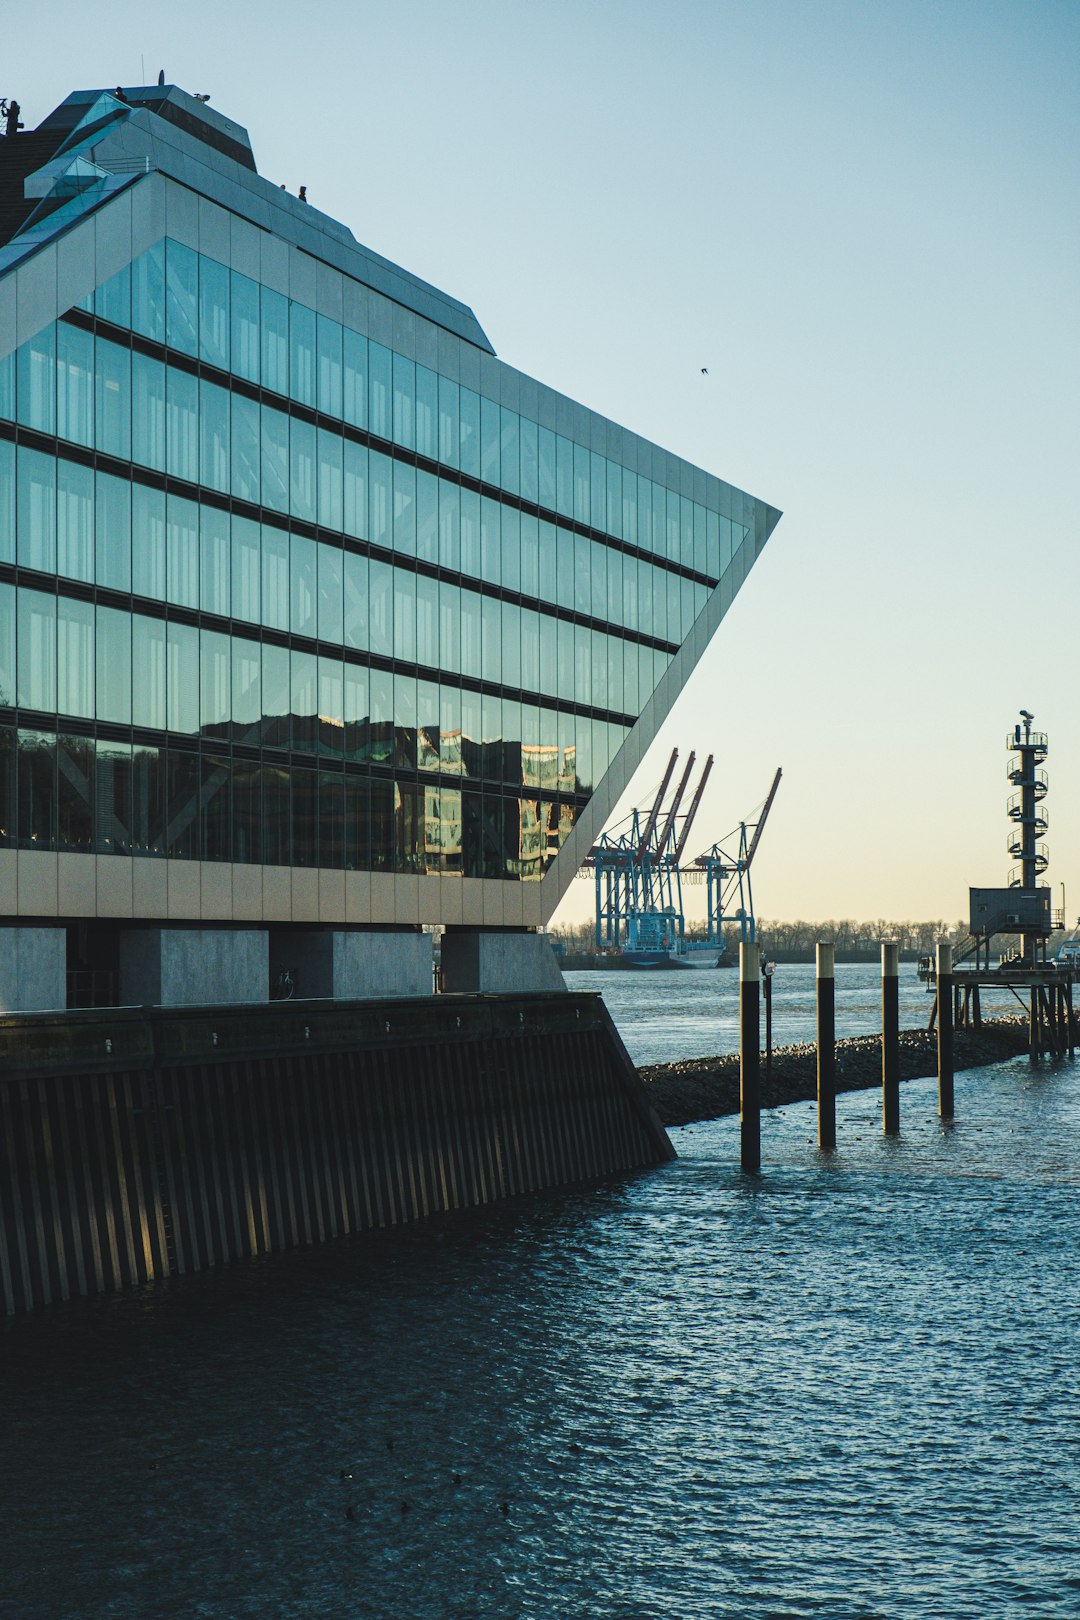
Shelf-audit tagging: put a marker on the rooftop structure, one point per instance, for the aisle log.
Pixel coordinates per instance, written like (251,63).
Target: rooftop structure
(318,623)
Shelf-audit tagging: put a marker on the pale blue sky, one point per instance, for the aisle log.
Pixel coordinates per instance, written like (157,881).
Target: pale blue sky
(863,218)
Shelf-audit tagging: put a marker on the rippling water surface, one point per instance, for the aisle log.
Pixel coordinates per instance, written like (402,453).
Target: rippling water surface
(846,1389)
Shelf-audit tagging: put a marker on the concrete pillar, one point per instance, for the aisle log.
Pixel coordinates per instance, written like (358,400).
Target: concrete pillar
(33,969)
(945,1029)
(826,1044)
(890,1039)
(749,1056)
(350,964)
(498,961)
(193,967)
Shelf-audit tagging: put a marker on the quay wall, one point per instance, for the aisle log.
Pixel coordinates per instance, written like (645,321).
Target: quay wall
(145,1143)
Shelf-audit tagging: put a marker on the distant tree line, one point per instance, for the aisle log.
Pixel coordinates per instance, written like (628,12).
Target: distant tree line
(847,934)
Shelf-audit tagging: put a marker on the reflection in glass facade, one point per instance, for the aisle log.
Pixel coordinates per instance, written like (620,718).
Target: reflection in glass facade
(276,591)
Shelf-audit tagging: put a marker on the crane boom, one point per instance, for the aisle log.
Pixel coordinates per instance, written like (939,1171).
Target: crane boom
(655,811)
(763,818)
(692,812)
(675,803)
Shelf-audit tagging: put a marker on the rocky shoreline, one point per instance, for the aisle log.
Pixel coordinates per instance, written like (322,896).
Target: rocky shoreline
(706,1088)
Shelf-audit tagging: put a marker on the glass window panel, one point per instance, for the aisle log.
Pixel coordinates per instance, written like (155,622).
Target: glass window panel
(148,293)
(469,441)
(214,455)
(181,298)
(7,387)
(74,520)
(330,563)
(629,507)
(246,568)
(148,658)
(631,699)
(74,384)
(35,366)
(182,677)
(355,625)
(380,474)
(675,629)
(581,684)
(245,449)
(564,659)
(112,399)
(381,608)
(148,800)
(564,476)
(644,621)
(247,708)
(404,508)
(630,574)
(529,675)
(564,578)
(36,509)
(672,539)
(113,540)
(302,353)
(182,551)
(548,561)
(511,645)
(404,374)
(470,532)
(274,322)
(354,402)
(302,469)
(275,577)
(148,411)
(427,516)
(214,313)
(7,501)
(148,542)
(304,685)
(404,615)
(614,587)
(355,490)
(490,540)
(182,795)
(112,797)
(511,548)
(471,624)
(489,441)
(597,490)
(582,485)
(449,525)
(36,790)
(303,595)
(276,824)
(331,707)
(614,499)
(427,621)
(215,684)
(36,682)
(214,560)
(355,711)
(548,483)
(596,559)
(331,515)
(427,412)
(215,808)
(448,421)
(7,646)
(244,327)
(509,451)
(379,403)
(182,425)
(530,460)
(112,300)
(276,694)
(449,627)
(113,656)
(404,756)
(275,459)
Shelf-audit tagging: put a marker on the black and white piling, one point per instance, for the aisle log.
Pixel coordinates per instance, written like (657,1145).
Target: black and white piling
(750,1056)
(890,1039)
(945,1029)
(826,1044)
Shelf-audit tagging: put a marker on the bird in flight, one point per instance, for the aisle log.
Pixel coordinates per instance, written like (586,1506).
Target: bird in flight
(704,371)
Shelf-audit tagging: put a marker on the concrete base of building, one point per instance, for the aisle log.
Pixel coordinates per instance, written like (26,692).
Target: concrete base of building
(33,969)
(498,961)
(350,964)
(193,967)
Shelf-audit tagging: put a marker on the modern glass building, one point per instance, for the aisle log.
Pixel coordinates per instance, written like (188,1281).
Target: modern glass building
(316,619)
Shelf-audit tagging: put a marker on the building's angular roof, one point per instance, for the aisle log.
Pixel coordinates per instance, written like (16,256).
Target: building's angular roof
(95,144)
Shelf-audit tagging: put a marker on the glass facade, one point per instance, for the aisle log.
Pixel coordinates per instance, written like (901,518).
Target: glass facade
(272,592)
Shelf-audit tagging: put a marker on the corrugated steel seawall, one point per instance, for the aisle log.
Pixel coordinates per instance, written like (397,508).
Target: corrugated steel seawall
(145,1143)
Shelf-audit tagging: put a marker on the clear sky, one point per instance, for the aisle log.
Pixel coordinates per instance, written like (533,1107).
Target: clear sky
(864,219)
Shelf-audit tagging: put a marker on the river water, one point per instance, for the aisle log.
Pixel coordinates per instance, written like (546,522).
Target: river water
(849,1388)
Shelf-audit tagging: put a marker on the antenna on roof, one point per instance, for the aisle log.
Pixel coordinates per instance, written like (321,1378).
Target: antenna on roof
(202,98)
(161,76)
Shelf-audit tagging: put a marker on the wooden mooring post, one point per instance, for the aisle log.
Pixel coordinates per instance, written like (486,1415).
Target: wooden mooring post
(890,1038)
(826,1044)
(945,1029)
(749,1056)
